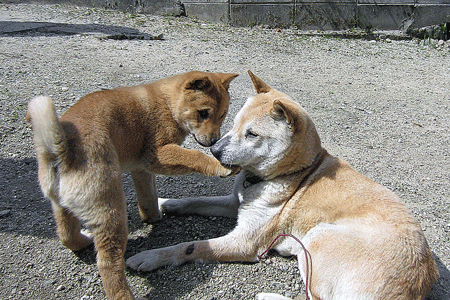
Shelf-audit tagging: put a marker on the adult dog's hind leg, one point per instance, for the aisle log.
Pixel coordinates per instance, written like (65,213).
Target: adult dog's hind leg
(69,229)
(221,206)
(145,185)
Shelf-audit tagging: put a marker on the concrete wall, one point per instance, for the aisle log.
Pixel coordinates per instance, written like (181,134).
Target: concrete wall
(306,14)
(323,14)
(156,7)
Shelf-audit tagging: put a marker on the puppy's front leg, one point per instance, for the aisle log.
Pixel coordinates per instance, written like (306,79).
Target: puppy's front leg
(145,185)
(226,248)
(172,159)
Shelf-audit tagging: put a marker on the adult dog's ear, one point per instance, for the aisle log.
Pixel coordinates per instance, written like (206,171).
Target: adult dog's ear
(282,112)
(260,86)
(225,78)
(201,83)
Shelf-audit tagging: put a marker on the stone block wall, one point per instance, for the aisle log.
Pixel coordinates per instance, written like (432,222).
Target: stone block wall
(323,14)
(305,14)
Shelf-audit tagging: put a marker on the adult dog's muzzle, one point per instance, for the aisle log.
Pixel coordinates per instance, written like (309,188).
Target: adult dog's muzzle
(219,147)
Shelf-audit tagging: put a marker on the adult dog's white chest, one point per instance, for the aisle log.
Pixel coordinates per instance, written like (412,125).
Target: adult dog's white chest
(262,201)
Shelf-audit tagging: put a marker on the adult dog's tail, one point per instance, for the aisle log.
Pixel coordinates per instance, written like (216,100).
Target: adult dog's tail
(50,143)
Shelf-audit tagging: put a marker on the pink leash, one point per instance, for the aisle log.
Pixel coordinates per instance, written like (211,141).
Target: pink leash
(306,258)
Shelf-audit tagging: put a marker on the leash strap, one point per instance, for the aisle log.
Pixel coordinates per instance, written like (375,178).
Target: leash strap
(306,258)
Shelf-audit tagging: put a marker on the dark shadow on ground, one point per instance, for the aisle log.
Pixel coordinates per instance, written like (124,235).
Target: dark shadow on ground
(12,28)
(25,211)
(440,289)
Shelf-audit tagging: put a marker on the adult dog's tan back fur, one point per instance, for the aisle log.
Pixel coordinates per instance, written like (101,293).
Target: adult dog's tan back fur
(363,242)
(82,156)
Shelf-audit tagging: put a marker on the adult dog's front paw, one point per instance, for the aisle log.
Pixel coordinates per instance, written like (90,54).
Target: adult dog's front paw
(144,262)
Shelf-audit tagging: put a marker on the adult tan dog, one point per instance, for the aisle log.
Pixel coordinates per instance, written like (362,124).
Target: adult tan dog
(82,156)
(362,242)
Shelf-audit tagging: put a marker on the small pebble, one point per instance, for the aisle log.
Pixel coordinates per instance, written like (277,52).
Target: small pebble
(5,213)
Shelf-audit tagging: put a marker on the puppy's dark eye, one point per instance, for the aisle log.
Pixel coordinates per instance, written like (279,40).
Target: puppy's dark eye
(250,134)
(204,114)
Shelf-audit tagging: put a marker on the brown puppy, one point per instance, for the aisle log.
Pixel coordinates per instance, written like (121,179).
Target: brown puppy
(82,156)
(363,243)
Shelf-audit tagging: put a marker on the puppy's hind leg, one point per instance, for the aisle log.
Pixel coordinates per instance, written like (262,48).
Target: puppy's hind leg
(145,185)
(110,230)
(69,229)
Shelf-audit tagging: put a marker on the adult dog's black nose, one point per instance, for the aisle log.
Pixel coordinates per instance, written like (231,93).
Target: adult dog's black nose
(214,140)
(219,147)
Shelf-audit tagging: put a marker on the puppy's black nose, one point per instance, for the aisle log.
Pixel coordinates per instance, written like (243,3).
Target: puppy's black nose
(219,147)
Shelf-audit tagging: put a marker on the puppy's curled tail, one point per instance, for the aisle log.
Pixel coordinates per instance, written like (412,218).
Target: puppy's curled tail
(50,143)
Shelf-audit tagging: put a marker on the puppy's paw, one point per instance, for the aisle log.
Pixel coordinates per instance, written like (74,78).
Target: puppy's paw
(149,216)
(79,242)
(144,262)
(235,170)
(231,170)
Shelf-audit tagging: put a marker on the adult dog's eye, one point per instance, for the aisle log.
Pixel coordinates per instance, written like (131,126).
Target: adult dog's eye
(204,114)
(250,134)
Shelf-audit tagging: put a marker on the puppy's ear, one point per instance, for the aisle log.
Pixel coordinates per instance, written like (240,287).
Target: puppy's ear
(260,86)
(281,112)
(225,78)
(202,83)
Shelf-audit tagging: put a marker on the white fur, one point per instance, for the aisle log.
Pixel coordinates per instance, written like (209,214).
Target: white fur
(271,296)
(261,152)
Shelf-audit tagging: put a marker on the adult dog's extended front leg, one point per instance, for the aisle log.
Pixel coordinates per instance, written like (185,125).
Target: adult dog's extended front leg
(227,248)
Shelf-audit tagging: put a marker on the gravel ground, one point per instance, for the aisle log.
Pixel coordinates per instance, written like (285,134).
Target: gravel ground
(383,105)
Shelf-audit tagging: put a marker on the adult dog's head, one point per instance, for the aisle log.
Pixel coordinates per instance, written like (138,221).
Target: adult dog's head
(272,135)
(203,104)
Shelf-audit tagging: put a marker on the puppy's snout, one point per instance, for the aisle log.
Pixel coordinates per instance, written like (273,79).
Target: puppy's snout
(219,147)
